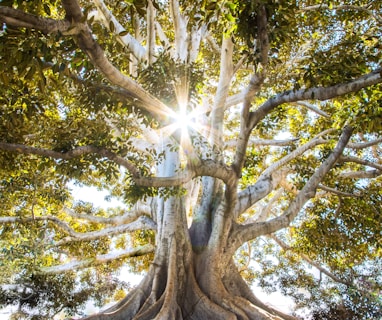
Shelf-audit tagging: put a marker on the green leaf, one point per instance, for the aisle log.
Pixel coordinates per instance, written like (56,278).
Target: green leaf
(47,9)
(111,26)
(123,33)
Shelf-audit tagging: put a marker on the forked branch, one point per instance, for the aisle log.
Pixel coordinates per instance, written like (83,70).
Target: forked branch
(250,231)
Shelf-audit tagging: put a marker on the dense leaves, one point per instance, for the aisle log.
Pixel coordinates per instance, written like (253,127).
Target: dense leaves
(57,98)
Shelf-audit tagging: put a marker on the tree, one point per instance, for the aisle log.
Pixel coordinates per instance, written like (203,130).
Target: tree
(242,136)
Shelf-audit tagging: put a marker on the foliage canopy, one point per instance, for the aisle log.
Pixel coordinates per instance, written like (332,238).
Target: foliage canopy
(273,176)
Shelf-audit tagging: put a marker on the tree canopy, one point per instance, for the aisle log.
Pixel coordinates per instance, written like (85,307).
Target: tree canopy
(242,137)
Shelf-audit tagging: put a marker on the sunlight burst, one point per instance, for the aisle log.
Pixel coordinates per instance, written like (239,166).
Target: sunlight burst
(184,120)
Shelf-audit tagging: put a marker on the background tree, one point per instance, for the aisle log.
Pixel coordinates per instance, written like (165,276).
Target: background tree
(242,136)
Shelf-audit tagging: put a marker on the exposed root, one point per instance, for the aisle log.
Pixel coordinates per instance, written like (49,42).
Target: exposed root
(130,305)
(172,291)
(170,306)
(236,286)
(199,307)
(151,311)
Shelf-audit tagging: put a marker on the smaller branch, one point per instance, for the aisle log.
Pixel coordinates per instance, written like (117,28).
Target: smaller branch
(313,108)
(243,233)
(162,36)
(137,211)
(361,161)
(343,7)
(273,176)
(265,211)
(213,44)
(368,174)
(308,260)
(98,260)
(176,180)
(142,223)
(207,168)
(264,185)
(197,33)
(264,142)
(240,63)
(150,34)
(364,145)
(61,224)
(127,40)
(294,154)
(318,93)
(274,143)
(337,192)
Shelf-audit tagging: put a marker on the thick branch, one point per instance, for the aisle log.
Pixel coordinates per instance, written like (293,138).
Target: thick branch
(20,19)
(272,176)
(257,80)
(235,99)
(150,37)
(97,56)
(254,193)
(225,76)
(180,28)
(319,93)
(204,168)
(126,40)
(98,260)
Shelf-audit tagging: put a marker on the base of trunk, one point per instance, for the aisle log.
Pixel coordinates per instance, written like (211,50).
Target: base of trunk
(173,291)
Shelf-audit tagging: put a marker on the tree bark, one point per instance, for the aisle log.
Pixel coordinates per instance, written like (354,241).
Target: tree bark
(183,284)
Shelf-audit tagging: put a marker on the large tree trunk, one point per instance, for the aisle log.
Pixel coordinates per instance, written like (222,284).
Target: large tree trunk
(191,277)
(184,284)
